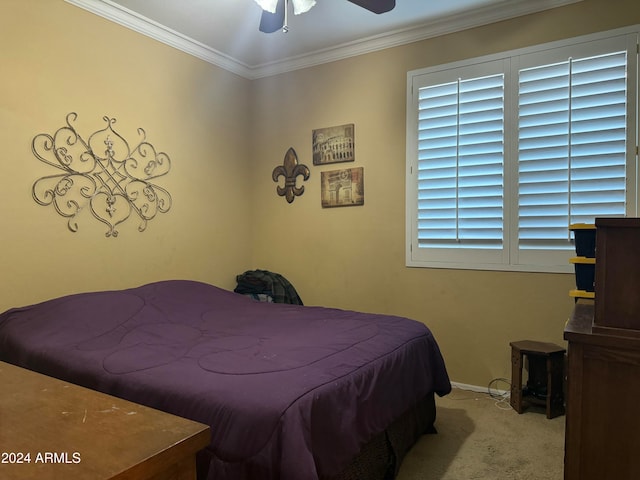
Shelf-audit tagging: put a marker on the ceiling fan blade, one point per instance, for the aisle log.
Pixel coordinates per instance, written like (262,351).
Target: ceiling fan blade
(376,6)
(271,22)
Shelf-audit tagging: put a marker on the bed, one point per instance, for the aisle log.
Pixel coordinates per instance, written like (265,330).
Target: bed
(291,392)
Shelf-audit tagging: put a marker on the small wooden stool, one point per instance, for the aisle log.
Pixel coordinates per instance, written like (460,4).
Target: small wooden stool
(545,384)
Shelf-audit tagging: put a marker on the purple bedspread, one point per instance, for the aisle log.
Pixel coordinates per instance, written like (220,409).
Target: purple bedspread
(290,392)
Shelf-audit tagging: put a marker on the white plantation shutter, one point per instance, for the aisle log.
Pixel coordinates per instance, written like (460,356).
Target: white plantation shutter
(572,146)
(505,152)
(460,163)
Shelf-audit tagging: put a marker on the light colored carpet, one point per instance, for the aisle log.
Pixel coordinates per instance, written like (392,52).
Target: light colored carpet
(481,437)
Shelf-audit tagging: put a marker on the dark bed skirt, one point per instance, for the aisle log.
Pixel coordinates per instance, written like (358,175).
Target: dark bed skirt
(380,459)
(382,456)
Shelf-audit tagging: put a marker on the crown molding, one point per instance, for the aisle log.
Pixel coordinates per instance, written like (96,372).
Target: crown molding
(461,21)
(138,23)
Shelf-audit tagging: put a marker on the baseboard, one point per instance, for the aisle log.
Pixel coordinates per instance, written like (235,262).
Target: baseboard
(489,389)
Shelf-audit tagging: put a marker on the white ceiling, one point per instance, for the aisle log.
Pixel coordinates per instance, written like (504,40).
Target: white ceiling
(225,32)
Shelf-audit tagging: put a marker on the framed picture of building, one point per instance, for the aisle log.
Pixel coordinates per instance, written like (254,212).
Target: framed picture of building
(334,144)
(342,188)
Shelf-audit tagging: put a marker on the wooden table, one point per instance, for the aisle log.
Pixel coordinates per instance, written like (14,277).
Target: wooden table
(546,375)
(54,430)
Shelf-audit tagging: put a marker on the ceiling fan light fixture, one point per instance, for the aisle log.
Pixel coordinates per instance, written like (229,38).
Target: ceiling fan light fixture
(299,6)
(302,6)
(268,5)
(275,13)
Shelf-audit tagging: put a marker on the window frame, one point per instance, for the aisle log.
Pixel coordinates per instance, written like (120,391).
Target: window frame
(510,257)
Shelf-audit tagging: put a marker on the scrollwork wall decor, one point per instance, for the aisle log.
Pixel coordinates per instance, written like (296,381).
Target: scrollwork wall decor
(102,174)
(290,170)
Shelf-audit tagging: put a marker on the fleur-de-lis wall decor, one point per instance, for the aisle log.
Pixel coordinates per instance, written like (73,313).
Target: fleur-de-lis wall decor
(290,170)
(101,173)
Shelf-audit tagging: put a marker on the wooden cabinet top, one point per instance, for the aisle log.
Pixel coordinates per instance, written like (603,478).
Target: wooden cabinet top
(581,329)
(71,432)
(618,222)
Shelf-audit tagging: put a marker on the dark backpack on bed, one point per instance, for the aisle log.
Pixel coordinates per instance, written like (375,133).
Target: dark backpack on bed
(258,283)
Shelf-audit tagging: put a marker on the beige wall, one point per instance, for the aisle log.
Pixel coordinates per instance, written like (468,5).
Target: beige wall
(353,257)
(225,135)
(57,58)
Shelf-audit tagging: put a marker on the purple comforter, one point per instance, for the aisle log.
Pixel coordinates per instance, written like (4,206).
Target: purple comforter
(290,392)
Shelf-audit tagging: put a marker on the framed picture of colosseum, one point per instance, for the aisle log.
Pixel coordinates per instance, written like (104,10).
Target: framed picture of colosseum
(342,188)
(334,144)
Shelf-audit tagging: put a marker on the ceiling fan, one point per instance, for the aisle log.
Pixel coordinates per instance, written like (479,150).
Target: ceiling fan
(275,12)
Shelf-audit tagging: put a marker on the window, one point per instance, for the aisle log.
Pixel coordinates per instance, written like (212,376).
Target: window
(505,152)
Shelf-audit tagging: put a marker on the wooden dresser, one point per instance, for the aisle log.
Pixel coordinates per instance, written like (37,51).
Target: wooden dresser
(54,430)
(602,439)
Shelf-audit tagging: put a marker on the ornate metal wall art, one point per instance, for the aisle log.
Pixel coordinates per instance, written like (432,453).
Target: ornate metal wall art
(290,170)
(101,173)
